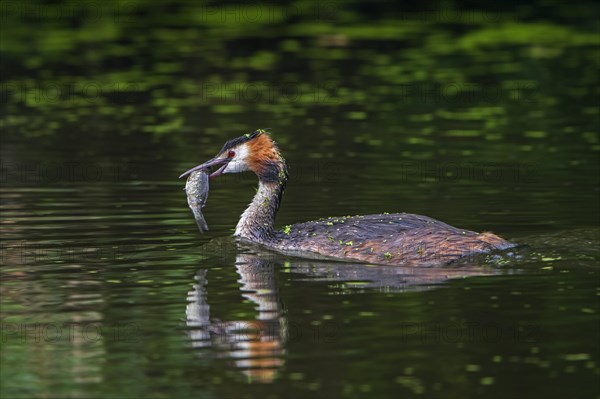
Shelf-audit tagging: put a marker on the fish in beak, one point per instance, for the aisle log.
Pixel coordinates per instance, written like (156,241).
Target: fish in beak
(221,162)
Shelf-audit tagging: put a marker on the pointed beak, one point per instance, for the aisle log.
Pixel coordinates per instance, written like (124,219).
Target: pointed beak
(222,162)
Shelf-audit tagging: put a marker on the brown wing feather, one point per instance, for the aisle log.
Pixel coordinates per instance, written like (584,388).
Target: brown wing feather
(395,239)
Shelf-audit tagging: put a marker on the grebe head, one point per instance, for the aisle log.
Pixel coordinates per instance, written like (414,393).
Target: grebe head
(255,152)
(258,153)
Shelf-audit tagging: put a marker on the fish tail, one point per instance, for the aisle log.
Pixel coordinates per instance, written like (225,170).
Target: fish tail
(200,222)
(202,226)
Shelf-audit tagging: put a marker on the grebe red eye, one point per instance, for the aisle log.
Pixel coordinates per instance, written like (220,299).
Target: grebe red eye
(231,154)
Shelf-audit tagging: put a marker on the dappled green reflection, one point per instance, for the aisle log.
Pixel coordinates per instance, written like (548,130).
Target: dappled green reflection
(485,118)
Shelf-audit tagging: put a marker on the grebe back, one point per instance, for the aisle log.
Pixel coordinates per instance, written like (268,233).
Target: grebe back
(394,239)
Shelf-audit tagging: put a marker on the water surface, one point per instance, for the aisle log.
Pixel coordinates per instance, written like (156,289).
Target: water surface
(109,290)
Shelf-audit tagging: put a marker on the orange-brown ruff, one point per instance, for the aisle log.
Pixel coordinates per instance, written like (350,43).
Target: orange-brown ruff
(393,239)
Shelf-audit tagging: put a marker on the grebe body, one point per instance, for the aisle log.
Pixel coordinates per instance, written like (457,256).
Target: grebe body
(393,239)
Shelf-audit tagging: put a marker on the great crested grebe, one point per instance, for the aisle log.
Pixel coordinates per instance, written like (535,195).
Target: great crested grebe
(393,239)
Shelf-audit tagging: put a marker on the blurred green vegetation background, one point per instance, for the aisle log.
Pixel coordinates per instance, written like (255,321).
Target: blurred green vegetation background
(175,67)
(162,84)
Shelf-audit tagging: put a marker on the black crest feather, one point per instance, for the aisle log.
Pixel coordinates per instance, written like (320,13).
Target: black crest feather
(242,139)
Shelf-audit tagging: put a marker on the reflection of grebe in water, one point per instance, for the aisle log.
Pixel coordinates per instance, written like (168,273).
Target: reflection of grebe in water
(256,345)
(394,239)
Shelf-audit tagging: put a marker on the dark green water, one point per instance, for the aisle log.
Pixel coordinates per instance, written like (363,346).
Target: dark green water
(485,120)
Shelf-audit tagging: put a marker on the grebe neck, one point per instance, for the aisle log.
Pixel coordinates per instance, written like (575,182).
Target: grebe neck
(257,222)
